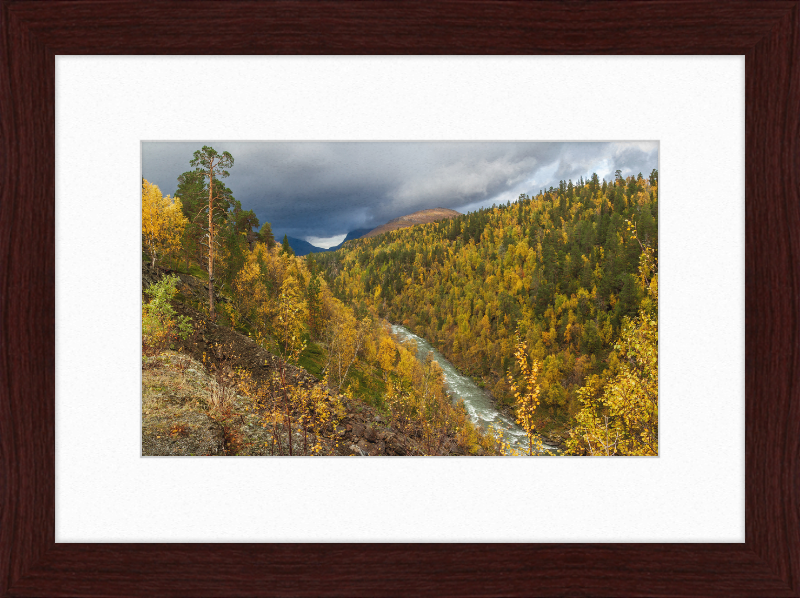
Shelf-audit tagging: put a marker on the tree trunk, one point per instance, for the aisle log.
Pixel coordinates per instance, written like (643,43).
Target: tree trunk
(211,242)
(288,419)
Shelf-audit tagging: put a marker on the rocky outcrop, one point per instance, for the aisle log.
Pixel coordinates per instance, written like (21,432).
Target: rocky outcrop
(178,419)
(188,434)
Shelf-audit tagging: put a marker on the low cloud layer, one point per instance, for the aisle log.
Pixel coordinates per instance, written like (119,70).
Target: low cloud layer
(326,189)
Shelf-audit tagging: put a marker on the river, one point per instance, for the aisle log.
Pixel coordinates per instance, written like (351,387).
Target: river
(477,400)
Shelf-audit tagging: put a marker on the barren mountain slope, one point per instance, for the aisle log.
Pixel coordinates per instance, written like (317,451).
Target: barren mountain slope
(421,217)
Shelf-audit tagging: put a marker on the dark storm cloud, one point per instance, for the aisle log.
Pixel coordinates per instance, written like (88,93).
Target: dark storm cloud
(325,189)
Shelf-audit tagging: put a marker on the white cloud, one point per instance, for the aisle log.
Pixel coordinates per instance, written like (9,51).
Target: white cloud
(323,190)
(326,242)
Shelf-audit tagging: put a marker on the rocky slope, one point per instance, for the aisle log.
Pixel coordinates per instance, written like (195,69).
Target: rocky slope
(181,417)
(215,393)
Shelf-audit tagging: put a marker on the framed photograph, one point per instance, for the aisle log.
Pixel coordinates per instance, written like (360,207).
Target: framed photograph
(85,514)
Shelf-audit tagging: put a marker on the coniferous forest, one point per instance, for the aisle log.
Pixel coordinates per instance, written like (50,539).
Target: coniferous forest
(548,303)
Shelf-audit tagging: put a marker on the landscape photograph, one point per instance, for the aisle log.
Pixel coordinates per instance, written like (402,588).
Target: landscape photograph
(399,298)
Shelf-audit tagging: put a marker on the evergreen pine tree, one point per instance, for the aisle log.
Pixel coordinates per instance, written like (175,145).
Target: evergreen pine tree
(285,247)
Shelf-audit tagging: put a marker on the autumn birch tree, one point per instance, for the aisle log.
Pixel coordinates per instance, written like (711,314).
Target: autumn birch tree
(211,165)
(344,338)
(162,222)
(526,394)
(289,331)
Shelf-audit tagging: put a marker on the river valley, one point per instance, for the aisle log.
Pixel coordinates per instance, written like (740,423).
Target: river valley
(477,401)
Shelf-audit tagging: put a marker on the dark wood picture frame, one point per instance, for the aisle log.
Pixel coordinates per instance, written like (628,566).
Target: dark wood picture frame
(766,32)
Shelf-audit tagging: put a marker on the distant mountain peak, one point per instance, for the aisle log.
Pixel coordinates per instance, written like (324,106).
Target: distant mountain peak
(354,234)
(420,217)
(301,247)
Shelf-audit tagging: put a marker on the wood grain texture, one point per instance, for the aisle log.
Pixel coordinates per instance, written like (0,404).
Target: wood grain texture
(768,33)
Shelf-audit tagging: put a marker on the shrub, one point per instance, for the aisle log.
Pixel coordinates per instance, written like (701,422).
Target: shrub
(160,325)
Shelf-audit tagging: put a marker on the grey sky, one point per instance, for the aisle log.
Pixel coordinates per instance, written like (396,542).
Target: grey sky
(323,190)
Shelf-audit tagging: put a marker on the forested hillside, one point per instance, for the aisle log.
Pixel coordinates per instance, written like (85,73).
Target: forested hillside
(551,303)
(572,271)
(278,365)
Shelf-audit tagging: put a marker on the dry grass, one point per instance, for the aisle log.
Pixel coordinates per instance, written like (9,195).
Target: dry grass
(188,411)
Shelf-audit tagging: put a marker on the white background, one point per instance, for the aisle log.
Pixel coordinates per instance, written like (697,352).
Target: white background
(105,491)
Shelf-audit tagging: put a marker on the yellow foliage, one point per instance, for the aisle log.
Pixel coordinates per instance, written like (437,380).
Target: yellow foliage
(344,337)
(620,416)
(526,394)
(290,320)
(387,353)
(162,223)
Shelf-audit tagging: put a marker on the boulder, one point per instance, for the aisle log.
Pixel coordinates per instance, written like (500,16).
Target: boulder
(357,450)
(369,434)
(366,447)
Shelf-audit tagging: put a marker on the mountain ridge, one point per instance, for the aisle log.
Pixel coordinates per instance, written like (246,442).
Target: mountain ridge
(302,247)
(418,217)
